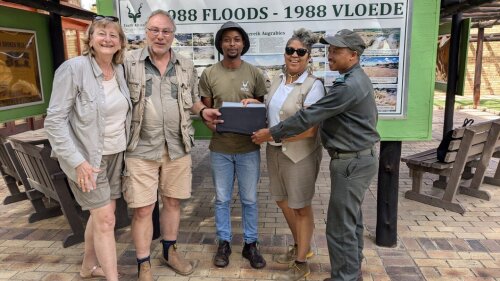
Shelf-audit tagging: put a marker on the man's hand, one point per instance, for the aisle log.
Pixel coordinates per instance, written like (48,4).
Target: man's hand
(211,114)
(85,176)
(261,136)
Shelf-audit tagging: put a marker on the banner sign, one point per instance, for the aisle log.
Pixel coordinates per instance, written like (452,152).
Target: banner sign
(384,25)
(20,83)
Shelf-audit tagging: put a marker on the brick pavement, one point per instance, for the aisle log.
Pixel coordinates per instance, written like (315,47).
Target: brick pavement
(433,244)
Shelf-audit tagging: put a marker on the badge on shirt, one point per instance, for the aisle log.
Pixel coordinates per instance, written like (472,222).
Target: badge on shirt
(244,86)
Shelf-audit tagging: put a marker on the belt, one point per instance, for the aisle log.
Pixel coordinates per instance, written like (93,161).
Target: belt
(350,154)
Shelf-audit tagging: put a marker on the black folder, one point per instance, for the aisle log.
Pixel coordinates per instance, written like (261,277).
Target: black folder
(242,120)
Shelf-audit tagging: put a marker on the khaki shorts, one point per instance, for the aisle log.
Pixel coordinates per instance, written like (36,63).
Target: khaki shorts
(294,182)
(144,178)
(108,184)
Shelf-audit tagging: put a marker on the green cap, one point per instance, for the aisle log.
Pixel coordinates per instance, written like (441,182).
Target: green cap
(345,38)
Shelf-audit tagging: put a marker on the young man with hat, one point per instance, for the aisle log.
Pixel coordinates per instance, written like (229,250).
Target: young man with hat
(232,80)
(348,118)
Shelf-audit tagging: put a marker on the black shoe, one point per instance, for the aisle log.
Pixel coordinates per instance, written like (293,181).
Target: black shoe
(221,258)
(251,253)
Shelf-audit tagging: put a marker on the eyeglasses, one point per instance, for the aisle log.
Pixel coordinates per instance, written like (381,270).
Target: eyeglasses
(156,31)
(300,51)
(101,17)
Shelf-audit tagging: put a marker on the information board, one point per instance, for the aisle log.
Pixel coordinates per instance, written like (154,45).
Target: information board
(383,25)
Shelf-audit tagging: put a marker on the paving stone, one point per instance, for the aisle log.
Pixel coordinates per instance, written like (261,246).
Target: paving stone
(476,245)
(433,244)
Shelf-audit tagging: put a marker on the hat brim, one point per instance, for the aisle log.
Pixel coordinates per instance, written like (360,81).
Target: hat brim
(333,40)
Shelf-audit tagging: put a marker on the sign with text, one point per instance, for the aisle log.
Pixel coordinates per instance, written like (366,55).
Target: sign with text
(384,25)
(20,83)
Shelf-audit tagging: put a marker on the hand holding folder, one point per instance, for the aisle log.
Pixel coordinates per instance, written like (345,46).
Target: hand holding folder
(241,119)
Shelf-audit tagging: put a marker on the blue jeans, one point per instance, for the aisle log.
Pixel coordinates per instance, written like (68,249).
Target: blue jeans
(246,167)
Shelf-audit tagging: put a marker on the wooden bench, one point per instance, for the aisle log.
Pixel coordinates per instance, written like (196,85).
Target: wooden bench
(471,146)
(42,209)
(10,176)
(495,180)
(44,175)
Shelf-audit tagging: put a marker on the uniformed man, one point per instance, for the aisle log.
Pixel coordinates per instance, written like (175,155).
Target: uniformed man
(348,117)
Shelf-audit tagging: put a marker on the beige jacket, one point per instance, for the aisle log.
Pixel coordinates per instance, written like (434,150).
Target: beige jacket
(136,79)
(295,150)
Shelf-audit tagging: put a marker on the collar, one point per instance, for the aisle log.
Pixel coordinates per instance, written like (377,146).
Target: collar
(95,67)
(145,55)
(350,69)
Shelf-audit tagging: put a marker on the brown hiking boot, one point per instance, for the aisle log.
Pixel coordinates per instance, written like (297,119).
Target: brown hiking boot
(291,255)
(296,272)
(145,273)
(177,262)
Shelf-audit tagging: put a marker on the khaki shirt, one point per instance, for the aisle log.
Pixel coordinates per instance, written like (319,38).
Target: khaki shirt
(161,117)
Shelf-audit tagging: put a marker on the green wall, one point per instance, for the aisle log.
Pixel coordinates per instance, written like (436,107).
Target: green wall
(422,64)
(13,18)
(106,7)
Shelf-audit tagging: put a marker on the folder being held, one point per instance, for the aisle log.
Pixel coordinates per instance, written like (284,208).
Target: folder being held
(241,119)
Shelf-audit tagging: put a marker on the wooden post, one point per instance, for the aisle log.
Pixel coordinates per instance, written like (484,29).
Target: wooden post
(56,38)
(451,88)
(387,194)
(478,66)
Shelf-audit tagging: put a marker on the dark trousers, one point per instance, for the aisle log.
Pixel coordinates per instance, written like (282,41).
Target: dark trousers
(350,178)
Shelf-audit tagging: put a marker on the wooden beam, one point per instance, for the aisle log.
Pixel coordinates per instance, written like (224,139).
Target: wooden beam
(478,67)
(485,24)
(493,37)
(463,6)
(56,8)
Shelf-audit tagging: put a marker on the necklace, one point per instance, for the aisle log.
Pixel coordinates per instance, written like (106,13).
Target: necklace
(293,77)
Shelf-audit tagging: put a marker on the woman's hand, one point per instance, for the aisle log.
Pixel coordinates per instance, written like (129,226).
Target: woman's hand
(85,176)
(245,102)
(261,136)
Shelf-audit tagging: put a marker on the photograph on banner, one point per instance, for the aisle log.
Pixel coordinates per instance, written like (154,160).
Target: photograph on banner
(385,97)
(381,69)
(20,83)
(382,25)
(381,41)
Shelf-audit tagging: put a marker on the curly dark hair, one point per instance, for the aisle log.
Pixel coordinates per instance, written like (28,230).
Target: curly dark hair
(304,36)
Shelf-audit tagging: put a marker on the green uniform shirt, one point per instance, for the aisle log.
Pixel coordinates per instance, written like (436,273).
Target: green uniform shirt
(231,85)
(348,115)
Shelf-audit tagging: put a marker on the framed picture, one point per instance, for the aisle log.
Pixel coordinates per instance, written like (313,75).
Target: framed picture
(20,81)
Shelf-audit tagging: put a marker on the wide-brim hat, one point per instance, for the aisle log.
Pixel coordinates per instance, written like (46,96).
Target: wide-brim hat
(345,38)
(232,26)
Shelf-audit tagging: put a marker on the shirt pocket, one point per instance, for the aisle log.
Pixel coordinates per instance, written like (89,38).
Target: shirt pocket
(187,99)
(86,106)
(174,87)
(134,87)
